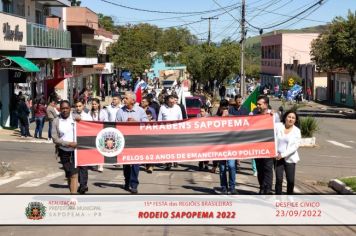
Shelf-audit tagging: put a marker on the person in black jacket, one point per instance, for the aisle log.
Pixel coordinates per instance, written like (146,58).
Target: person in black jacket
(23,112)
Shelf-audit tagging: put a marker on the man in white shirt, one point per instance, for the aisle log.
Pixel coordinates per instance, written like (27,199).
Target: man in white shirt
(170,111)
(114,107)
(83,170)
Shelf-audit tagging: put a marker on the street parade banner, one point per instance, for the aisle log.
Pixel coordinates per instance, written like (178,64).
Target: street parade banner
(178,210)
(197,139)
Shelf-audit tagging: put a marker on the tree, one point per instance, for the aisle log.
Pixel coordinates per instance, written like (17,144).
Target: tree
(336,48)
(209,62)
(172,41)
(75,3)
(133,50)
(106,22)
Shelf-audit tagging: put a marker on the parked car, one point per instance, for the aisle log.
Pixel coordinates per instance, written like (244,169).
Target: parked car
(193,105)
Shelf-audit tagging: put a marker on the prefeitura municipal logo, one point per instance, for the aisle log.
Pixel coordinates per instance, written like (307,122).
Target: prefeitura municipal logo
(110,142)
(35,211)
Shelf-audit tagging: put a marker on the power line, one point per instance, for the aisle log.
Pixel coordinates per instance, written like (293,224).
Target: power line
(226,10)
(201,20)
(291,18)
(165,12)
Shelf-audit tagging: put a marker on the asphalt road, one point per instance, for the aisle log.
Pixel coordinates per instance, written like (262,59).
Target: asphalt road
(34,169)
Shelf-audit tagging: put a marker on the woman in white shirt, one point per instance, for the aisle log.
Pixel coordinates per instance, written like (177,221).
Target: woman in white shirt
(288,137)
(98,114)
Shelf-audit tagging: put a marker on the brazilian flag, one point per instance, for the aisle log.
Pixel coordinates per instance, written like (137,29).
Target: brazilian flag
(251,101)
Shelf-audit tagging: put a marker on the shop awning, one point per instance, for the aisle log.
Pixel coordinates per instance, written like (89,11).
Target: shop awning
(24,63)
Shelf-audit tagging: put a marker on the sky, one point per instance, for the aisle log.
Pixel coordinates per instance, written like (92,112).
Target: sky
(259,14)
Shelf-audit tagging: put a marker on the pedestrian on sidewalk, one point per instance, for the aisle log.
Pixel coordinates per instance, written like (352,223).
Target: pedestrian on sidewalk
(288,137)
(309,94)
(52,113)
(23,112)
(40,115)
(131,113)
(63,135)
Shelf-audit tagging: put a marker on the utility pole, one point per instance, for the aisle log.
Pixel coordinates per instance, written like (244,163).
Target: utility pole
(209,32)
(242,76)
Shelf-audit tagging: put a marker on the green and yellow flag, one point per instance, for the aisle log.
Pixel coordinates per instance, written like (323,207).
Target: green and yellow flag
(251,100)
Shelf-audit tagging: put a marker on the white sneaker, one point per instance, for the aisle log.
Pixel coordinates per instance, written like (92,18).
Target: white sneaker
(255,173)
(101,168)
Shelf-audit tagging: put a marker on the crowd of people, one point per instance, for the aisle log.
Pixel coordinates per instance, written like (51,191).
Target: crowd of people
(166,107)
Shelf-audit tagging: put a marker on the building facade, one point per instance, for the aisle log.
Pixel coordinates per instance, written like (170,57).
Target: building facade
(283,48)
(340,90)
(32,35)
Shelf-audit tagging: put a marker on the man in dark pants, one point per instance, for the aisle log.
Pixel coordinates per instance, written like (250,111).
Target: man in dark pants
(264,165)
(131,113)
(83,170)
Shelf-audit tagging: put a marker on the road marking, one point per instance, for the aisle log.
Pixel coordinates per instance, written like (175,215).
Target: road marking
(350,141)
(39,181)
(19,175)
(338,144)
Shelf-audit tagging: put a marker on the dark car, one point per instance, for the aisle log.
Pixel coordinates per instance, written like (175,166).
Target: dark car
(193,105)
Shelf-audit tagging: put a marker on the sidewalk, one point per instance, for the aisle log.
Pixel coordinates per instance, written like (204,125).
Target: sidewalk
(13,135)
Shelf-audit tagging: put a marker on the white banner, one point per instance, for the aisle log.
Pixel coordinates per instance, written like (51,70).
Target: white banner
(177,210)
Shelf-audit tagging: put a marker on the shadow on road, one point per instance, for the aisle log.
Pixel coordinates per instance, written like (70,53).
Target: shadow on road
(199,189)
(58,185)
(105,185)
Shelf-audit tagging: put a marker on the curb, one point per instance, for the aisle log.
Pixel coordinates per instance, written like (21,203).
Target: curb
(340,187)
(25,141)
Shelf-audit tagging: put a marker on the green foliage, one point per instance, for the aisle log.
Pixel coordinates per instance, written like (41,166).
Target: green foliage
(107,23)
(308,126)
(132,50)
(208,62)
(350,182)
(336,48)
(75,3)
(139,43)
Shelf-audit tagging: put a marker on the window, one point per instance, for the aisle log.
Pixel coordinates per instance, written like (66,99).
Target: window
(39,17)
(7,6)
(337,86)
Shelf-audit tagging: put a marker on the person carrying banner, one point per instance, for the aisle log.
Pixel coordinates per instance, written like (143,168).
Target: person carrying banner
(264,165)
(170,111)
(288,137)
(226,165)
(238,110)
(83,170)
(223,110)
(131,112)
(63,135)
(203,165)
(98,114)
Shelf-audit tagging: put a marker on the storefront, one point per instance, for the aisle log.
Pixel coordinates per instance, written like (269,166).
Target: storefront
(15,70)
